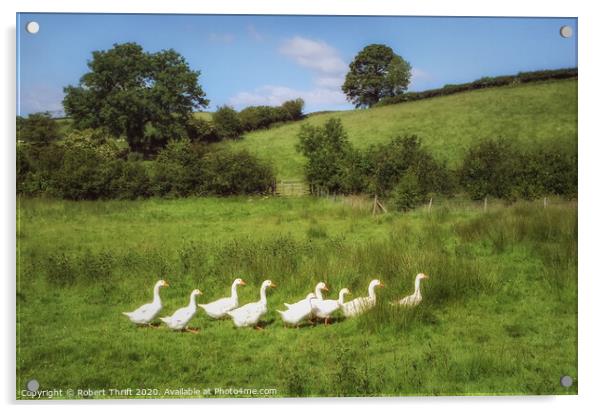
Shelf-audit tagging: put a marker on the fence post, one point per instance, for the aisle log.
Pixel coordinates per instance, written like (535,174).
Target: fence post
(430,204)
(485,204)
(545,201)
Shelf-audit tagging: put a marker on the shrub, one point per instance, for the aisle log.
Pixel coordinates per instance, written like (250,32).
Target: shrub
(328,153)
(38,129)
(177,170)
(389,163)
(200,130)
(228,173)
(227,123)
(130,180)
(408,194)
(497,168)
(294,108)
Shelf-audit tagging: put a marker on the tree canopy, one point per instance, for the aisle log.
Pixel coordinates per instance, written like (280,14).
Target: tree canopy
(148,97)
(375,73)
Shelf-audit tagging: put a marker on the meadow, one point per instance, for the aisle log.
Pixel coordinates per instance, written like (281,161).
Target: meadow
(529,114)
(499,314)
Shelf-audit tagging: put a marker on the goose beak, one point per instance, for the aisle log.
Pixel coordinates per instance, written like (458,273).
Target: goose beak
(273,285)
(326,289)
(426,276)
(242,282)
(381,285)
(166,284)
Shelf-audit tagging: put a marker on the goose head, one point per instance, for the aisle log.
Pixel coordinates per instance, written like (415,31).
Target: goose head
(422,276)
(268,283)
(321,286)
(196,292)
(376,283)
(239,281)
(344,291)
(162,283)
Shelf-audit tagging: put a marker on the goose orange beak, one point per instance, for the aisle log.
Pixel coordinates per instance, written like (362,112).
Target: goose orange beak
(166,284)
(242,282)
(273,285)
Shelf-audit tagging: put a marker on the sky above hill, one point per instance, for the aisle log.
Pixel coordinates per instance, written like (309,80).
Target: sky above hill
(265,60)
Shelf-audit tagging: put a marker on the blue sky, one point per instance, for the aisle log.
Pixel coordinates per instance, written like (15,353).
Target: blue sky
(251,60)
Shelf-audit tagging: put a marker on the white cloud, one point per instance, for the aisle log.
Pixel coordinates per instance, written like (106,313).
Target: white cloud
(317,98)
(315,55)
(325,65)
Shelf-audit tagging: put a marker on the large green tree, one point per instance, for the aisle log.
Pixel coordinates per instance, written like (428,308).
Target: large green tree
(375,73)
(148,97)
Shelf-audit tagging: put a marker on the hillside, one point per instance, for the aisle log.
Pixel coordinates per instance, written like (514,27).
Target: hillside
(530,113)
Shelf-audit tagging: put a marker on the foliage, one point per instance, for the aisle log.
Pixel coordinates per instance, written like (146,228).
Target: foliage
(148,97)
(201,130)
(38,129)
(500,169)
(227,123)
(407,194)
(328,153)
(376,73)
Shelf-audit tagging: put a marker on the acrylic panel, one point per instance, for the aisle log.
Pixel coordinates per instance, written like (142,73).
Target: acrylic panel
(295,206)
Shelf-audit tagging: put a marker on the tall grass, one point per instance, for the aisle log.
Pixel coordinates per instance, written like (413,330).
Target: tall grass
(500,279)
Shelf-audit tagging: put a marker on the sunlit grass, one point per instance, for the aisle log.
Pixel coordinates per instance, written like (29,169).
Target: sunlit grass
(527,113)
(498,316)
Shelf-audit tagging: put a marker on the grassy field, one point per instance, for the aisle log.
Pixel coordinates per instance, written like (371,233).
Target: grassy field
(529,113)
(499,314)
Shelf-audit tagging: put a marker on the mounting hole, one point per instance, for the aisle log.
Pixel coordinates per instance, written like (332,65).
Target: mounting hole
(32,27)
(566,381)
(566,31)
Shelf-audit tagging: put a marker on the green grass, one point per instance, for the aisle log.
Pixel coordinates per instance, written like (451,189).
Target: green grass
(499,314)
(528,113)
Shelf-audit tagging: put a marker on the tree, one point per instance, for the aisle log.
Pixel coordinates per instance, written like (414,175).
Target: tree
(375,73)
(38,128)
(148,97)
(227,123)
(328,153)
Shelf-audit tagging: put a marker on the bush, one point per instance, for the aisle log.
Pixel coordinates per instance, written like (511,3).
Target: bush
(329,155)
(497,168)
(229,173)
(130,180)
(200,130)
(227,124)
(389,163)
(294,108)
(184,169)
(38,129)
(408,194)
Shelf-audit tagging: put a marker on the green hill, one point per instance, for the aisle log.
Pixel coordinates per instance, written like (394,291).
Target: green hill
(531,113)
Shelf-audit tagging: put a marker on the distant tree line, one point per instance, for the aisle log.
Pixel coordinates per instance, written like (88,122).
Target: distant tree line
(484,82)
(405,172)
(227,123)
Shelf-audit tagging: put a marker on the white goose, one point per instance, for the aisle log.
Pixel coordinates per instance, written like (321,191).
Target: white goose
(219,308)
(324,308)
(297,312)
(362,304)
(147,312)
(416,298)
(249,314)
(179,319)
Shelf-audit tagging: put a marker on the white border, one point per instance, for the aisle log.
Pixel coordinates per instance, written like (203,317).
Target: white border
(589,173)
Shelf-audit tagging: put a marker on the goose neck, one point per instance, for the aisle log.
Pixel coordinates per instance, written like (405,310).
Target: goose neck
(156,296)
